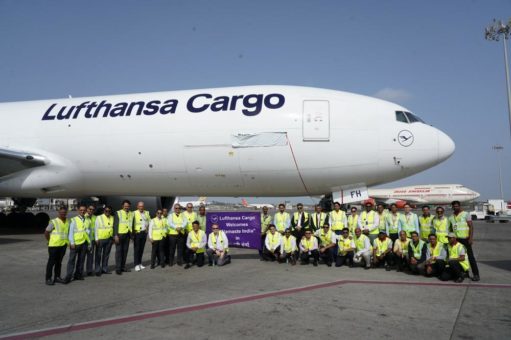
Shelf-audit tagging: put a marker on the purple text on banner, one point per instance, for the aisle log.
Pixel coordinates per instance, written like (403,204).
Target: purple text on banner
(243,228)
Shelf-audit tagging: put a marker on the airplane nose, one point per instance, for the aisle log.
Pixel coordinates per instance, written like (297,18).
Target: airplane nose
(446,146)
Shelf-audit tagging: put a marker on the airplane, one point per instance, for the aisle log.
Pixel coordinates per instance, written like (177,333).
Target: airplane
(435,194)
(256,205)
(200,202)
(263,140)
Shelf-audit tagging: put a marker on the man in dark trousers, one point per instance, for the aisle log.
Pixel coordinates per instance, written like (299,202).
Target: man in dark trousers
(123,227)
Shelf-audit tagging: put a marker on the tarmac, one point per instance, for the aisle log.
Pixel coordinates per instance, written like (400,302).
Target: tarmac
(253,299)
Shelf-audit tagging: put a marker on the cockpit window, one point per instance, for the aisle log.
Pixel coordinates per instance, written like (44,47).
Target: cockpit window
(401,117)
(413,118)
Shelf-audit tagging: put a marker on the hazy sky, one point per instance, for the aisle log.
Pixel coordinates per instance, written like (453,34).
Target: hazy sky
(429,56)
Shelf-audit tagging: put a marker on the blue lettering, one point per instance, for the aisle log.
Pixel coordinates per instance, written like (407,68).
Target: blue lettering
(46,115)
(202,108)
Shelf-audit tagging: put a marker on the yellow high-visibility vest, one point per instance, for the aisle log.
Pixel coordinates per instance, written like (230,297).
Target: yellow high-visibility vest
(381,246)
(138,219)
(337,220)
(125,221)
(417,249)
(80,235)
(190,217)
(344,243)
(176,220)
(196,238)
(220,238)
(425,226)
(281,221)
(105,227)
(454,254)
(158,229)
(59,234)
(325,239)
(368,218)
(441,229)
(287,244)
(459,225)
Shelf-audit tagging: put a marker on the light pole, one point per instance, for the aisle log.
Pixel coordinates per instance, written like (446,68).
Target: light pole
(498,149)
(494,32)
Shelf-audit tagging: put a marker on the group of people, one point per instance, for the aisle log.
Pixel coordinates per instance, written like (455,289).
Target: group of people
(179,235)
(429,245)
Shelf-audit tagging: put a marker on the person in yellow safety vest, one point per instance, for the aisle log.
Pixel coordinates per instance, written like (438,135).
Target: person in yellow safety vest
(369,222)
(201,217)
(56,234)
(282,220)
(337,219)
(410,221)
(156,234)
(393,223)
(289,248)
(318,218)
(346,249)
(458,264)
(309,248)
(266,220)
(79,242)
(195,246)
(363,249)
(426,224)
(190,216)
(141,220)
(382,218)
(461,224)
(177,235)
(382,251)
(401,251)
(89,261)
(218,247)
(165,241)
(299,222)
(103,235)
(272,244)
(327,244)
(416,253)
(441,226)
(353,221)
(435,257)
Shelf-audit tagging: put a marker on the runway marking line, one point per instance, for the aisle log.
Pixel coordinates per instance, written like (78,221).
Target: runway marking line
(208,305)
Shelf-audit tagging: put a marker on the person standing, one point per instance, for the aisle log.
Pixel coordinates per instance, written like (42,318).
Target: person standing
(458,265)
(410,221)
(353,221)
(165,240)
(289,248)
(79,242)
(382,251)
(393,223)
(201,217)
(318,218)
(299,222)
(282,220)
(272,244)
(309,248)
(337,219)
(382,218)
(266,220)
(156,234)
(141,222)
(426,224)
(441,226)
(123,227)
(190,216)
(369,221)
(103,236)
(346,249)
(177,235)
(57,235)
(461,224)
(218,247)
(195,246)
(435,257)
(91,251)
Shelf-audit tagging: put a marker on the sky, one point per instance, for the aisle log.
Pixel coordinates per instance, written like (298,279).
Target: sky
(429,56)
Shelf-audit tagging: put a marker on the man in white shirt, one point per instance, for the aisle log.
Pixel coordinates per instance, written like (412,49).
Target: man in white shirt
(309,248)
(362,249)
(272,244)
(218,247)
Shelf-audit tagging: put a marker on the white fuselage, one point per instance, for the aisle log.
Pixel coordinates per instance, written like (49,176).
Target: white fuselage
(163,148)
(427,194)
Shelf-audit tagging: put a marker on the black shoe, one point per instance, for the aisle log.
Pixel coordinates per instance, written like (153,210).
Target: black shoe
(152,266)
(329,264)
(126,270)
(210,264)
(398,270)
(315,263)
(59,280)
(303,263)
(476,278)
(180,264)
(387,268)
(89,274)
(118,272)
(459,279)
(98,274)
(188,266)
(366,268)
(67,280)
(108,273)
(50,282)
(162,266)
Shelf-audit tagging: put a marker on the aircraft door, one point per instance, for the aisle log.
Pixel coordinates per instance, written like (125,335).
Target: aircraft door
(316,120)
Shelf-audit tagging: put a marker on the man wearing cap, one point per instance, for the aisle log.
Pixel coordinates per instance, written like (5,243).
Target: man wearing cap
(272,244)
(369,221)
(327,244)
(382,251)
(363,249)
(435,257)
(417,253)
(346,249)
(458,265)
(289,248)
(401,251)
(461,225)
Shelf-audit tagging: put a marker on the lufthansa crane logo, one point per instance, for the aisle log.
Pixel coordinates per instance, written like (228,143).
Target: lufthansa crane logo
(405,138)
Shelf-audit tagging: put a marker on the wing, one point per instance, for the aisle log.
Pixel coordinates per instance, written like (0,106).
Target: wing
(12,161)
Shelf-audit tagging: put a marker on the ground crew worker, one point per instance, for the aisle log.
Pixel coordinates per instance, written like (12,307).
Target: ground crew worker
(393,223)
(190,216)
(201,217)
(362,249)
(299,222)
(461,224)
(156,234)
(458,264)
(141,222)
(441,226)
(346,249)
(165,240)
(89,262)
(337,219)
(309,248)
(218,247)
(123,227)
(266,220)
(282,220)
(195,246)
(56,234)
(382,218)
(272,244)
(426,224)
(79,242)
(382,251)
(318,218)
(353,221)
(401,251)
(289,248)
(435,257)
(327,244)
(410,221)
(416,253)
(103,237)
(369,221)
(177,236)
